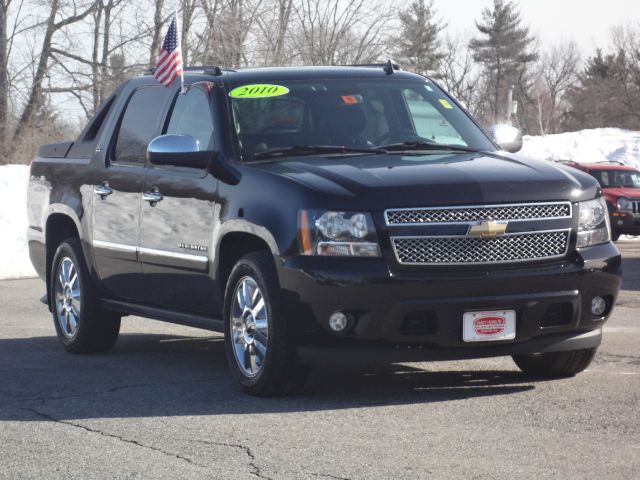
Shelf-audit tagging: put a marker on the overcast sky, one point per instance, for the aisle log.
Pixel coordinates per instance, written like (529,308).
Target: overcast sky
(587,21)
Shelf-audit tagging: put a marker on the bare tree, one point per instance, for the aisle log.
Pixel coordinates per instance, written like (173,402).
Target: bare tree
(557,72)
(188,9)
(9,31)
(282,26)
(4,72)
(156,38)
(334,32)
(90,75)
(274,25)
(460,75)
(626,40)
(229,23)
(52,26)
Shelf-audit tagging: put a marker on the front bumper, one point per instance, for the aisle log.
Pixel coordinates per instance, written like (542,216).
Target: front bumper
(626,223)
(418,312)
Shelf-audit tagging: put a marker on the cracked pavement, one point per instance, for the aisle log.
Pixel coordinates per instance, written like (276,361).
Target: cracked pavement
(161,405)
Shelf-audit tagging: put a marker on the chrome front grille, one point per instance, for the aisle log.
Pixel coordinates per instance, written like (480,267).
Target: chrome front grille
(426,216)
(471,250)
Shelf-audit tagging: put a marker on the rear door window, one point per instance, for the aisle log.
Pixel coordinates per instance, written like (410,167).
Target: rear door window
(139,125)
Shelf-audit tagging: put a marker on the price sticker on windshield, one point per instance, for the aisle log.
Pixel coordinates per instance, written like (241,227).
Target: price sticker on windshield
(258,90)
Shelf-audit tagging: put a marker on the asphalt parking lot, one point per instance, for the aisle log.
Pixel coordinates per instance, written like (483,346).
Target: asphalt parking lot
(161,405)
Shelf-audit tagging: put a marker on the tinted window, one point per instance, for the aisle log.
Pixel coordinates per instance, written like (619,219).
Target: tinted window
(617,178)
(192,116)
(139,125)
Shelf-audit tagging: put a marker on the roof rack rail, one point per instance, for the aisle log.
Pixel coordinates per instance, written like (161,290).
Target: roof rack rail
(206,69)
(617,162)
(565,162)
(373,65)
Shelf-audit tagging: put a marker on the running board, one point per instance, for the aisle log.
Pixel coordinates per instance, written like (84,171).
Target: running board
(179,318)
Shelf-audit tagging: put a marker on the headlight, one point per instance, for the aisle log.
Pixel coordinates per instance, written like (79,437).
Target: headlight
(593,227)
(624,203)
(338,234)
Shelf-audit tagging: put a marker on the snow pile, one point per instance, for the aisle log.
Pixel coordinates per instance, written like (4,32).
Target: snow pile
(14,255)
(586,146)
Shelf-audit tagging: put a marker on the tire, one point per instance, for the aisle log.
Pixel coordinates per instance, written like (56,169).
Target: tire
(615,235)
(260,349)
(81,324)
(557,364)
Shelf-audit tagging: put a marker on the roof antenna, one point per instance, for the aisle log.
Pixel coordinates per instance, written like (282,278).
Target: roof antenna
(388,68)
(215,71)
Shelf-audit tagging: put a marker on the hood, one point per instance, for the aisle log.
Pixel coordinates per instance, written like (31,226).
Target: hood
(386,181)
(623,192)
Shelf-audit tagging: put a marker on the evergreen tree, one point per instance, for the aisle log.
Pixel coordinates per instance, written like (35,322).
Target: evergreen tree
(608,94)
(419,46)
(504,49)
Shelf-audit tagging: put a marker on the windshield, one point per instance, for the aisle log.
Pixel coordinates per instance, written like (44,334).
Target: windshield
(617,178)
(351,113)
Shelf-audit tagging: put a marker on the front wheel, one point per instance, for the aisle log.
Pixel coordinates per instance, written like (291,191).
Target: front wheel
(258,340)
(555,364)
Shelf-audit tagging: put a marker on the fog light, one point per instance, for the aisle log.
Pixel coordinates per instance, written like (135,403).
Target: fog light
(339,321)
(598,306)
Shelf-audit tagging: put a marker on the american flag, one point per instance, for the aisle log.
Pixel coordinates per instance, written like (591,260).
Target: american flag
(169,63)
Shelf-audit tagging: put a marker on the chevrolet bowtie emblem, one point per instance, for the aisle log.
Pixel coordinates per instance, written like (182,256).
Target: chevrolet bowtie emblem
(488,229)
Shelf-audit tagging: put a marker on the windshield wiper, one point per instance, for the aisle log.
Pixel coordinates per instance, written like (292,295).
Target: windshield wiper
(300,150)
(401,147)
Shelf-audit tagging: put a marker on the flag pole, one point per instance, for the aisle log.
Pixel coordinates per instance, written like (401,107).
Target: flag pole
(179,35)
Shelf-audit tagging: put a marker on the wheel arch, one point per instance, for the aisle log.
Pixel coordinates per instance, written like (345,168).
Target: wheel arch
(235,243)
(58,227)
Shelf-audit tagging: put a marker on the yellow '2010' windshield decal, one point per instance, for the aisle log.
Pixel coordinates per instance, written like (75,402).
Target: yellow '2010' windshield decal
(260,90)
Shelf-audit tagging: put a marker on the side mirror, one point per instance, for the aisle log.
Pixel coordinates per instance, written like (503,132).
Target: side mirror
(507,137)
(177,151)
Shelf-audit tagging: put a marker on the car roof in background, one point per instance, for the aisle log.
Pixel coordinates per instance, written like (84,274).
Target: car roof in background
(608,166)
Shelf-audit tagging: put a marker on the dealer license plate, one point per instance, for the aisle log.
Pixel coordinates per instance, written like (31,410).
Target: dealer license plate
(489,326)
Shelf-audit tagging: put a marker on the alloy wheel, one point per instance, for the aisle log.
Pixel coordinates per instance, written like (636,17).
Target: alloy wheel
(249,326)
(68,301)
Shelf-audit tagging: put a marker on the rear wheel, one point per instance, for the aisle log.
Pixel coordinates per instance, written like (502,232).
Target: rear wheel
(81,324)
(259,345)
(555,364)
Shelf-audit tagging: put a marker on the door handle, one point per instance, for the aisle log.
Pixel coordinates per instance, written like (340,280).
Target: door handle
(104,190)
(152,197)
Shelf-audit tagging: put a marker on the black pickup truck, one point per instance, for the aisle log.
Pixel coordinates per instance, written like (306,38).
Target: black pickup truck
(319,213)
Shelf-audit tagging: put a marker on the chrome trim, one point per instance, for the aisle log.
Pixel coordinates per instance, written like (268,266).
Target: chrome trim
(149,251)
(103,190)
(497,262)
(153,197)
(166,254)
(115,246)
(249,327)
(67,296)
(470,222)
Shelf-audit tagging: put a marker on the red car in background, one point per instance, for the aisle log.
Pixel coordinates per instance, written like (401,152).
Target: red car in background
(621,186)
